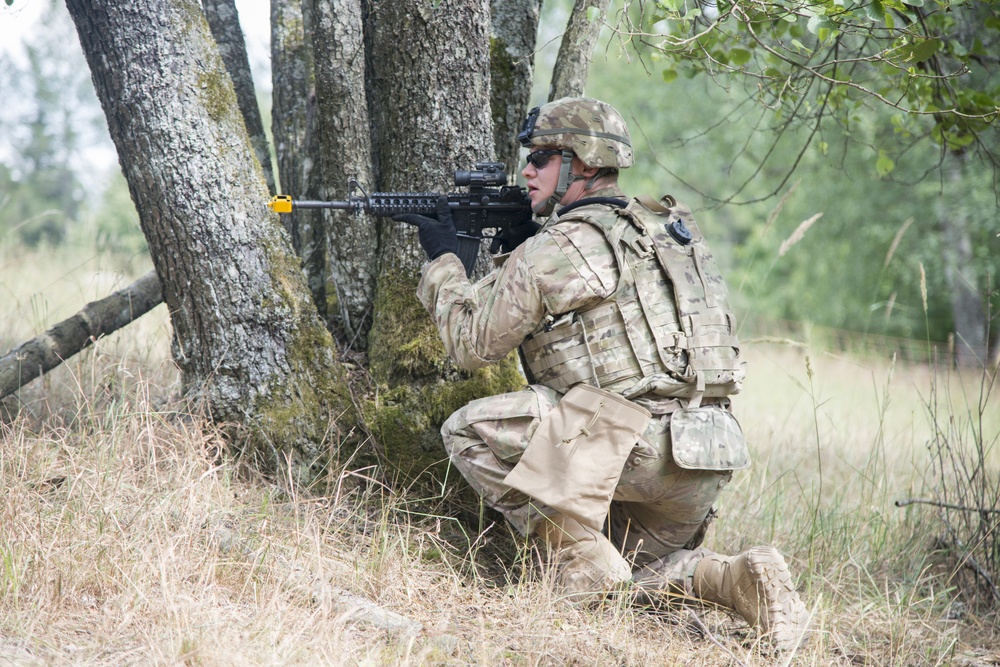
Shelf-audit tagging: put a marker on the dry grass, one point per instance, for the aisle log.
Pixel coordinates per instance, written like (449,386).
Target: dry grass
(130,535)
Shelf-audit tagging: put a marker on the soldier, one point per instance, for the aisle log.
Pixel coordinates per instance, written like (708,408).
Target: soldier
(615,453)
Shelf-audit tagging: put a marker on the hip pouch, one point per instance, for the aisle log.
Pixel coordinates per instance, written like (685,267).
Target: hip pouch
(708,438)
(576,455)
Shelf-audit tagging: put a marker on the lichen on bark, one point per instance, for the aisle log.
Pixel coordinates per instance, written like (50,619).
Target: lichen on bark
(296,423)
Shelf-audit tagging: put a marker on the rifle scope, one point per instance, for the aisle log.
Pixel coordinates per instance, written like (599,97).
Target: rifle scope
(482,174)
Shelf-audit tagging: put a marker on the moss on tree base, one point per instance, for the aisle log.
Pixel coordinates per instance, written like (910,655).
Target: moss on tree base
(419,387)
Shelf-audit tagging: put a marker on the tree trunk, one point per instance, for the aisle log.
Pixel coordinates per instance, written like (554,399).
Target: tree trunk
(967,307)
(224,21)
(99,318)
(569,76)
(346,152)
(248,339)
(431,114)
(293,124)
(512,53)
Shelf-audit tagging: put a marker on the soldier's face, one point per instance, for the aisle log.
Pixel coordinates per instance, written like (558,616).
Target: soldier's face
(541,180)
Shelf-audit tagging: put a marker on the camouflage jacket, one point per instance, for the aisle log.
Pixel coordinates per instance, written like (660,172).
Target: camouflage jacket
(565,267)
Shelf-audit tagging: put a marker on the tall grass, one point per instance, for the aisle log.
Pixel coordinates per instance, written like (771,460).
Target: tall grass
(131,534)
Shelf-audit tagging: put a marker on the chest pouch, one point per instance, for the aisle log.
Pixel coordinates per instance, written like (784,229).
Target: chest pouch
(575,457)
(708,438)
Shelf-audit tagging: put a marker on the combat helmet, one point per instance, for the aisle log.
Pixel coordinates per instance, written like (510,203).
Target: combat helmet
(592,130)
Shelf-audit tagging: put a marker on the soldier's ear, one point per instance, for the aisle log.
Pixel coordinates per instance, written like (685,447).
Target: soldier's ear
(580,169)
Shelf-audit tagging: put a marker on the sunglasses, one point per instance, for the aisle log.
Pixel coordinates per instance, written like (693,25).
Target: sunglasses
(540,158)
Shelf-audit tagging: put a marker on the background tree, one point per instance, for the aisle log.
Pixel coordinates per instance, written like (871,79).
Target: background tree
(569,76)
(225,268)
(247,336)
(224,21)
(928,72)
(47,121)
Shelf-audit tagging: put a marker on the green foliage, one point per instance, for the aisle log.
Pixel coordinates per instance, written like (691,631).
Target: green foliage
(830,60)
(116,220)
(763,118)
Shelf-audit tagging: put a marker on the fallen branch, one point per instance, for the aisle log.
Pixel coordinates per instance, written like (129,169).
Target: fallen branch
(98,318)
(935,503)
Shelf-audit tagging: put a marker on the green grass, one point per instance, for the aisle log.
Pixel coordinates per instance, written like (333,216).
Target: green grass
(130,534)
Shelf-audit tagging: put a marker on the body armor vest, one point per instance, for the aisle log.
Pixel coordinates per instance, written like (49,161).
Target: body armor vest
(666,331)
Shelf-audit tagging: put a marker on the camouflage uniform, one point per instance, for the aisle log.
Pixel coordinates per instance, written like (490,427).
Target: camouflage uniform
(660,510)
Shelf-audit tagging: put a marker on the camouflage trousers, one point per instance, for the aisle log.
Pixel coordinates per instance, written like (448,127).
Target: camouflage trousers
(659,511)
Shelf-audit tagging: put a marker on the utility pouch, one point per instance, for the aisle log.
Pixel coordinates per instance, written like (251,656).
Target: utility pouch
(575,457)
(708,438)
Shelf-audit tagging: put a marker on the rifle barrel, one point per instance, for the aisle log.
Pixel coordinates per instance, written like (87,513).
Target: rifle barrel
(339,205)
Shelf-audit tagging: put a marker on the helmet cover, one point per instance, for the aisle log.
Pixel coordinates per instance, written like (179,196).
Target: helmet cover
(592,129)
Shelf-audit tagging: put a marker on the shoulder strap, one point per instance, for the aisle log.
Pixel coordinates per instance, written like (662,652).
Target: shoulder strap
(664,205)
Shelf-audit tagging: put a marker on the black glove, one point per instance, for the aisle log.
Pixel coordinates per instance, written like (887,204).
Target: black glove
(514,236)
(437,235)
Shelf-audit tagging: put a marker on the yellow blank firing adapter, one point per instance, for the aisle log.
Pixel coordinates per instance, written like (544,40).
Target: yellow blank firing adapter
(280,204)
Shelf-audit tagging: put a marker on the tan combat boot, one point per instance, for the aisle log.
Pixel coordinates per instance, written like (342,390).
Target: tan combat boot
(758,586)
(587,564)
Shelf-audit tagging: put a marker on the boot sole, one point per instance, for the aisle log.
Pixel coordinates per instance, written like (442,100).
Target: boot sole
(785,617)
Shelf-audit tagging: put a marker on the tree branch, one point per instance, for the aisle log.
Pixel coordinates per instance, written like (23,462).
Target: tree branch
(950,506)
(569,76)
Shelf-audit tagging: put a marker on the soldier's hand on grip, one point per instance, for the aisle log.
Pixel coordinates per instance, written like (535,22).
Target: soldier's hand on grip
(508,239)
(437,235)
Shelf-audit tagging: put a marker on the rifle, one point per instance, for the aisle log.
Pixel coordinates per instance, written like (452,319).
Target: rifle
(484,206)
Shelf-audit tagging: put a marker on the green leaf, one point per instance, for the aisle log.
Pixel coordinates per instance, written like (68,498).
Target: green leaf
(800,46)
(593,14)
(923,50)
(669,75)
(914,3)
(739,56)
(875,11)
(884,165)
(9,2)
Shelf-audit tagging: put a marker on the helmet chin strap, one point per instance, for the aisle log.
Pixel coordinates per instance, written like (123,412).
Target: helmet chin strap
(566,179)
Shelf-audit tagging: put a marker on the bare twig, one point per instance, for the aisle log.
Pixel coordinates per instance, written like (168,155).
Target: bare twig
(698,623)
(950,506)
(968,561)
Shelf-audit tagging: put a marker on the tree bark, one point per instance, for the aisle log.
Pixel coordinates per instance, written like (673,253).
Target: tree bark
(293,125)
(512,52)
(569,75)
(248,339)
(430,104)
(430,109)
(346,152)
(98,318)
(224,21)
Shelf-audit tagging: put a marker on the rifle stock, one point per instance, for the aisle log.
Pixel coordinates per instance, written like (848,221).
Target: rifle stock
(489,204)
